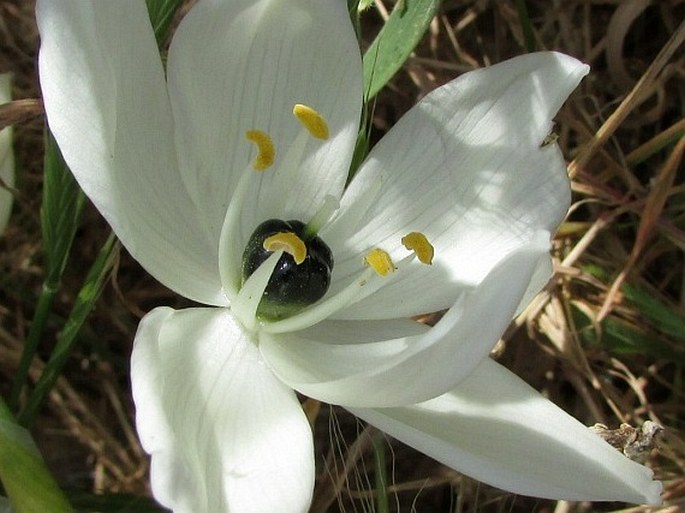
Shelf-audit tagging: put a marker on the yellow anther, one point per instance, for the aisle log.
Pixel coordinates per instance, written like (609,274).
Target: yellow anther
(288,242)
(265,158)
(379,261)
(312,121)
(418,243)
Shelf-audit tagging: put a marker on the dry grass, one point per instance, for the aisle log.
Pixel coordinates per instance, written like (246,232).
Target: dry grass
(597,341)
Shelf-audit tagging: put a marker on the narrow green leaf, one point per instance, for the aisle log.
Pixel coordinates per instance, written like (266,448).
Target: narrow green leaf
(28,483)
(161,13)
(60,213)
(659,332)
(361,149)
(85,301)
(526,25)
(397,39)
(619,336)
(666,318)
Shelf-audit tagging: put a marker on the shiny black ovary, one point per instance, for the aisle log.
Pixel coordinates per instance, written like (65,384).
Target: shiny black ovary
(292,286)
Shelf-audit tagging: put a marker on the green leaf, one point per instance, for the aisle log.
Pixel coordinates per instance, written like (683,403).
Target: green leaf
(85,301)
(60,213)
(397,39)
(666,318)
(361,149)
(619,336)
(161,13)
(27,481)
(660,331)
(526,25)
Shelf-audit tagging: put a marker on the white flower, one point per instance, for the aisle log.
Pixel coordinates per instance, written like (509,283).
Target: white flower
(166,160)
(6,156)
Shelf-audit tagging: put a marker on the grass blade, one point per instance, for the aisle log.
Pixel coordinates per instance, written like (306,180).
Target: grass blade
(60,213)
(85,301)
(526,25)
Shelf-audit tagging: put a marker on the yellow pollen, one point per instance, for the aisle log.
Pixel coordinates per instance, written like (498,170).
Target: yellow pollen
(379,261)
(417,242)
(312,121)
(288,242)
(267,153)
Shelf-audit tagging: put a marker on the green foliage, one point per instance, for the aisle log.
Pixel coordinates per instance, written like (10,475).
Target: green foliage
(380,470)
(659,331)
(666,318)
(28,483)
(620,336)
(386,55)
(398,38)
(361,148)
(161,13)
(526,25)
(60,213)
(62,205)
(89,293)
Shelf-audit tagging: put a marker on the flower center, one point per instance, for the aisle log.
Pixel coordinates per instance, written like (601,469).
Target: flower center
(281,282)
(303,272)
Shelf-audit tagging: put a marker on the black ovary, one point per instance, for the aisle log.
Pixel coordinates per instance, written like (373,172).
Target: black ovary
(291,287)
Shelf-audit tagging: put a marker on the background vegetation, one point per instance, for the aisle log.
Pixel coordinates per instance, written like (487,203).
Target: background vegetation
(605,340)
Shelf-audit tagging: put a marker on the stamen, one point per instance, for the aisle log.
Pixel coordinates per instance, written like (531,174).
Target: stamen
(289,243)
(229,257)
(362,287)
(267,153)
(417,242)
(327,307)
(312,121)
(379,261)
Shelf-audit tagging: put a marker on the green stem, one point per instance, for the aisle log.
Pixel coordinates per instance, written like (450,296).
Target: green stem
(40,317)
(526,25)
(380,473)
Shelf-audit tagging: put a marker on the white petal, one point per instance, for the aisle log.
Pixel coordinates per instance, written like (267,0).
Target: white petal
(224,433)
(465,167)
(6,156)
(390,363)
(106,103)
(242,65)
(497,429)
